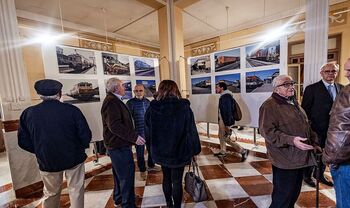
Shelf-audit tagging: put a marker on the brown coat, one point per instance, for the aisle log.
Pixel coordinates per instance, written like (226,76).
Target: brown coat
(118,128)
(337,149)
(279,123)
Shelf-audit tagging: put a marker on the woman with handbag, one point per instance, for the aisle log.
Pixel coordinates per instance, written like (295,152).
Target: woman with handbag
(172,134)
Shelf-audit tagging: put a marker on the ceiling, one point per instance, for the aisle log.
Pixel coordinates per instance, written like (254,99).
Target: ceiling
(134,20)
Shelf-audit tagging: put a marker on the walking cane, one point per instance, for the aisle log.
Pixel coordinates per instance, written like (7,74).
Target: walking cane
(318,166)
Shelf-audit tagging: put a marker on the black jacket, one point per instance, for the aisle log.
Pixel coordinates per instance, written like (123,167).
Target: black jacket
(118,128)
(137,108)
(171,132)
(226,107)
(57,133)
(317,103)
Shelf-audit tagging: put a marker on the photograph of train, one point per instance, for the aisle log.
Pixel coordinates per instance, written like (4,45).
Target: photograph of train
(115,64)
(233,81)
(200,65)
(75,61)
(80,91)
(150,86)
(262,55)
(201,85)
(261,81)
(227,60)
(144,67)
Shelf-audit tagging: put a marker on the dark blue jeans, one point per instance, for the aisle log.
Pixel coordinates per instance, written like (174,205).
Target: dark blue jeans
(124,175)
(341,179)
(140,153)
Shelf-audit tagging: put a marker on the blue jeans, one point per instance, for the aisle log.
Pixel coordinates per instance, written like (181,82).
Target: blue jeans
(341,180)
(124,176)
(140,153)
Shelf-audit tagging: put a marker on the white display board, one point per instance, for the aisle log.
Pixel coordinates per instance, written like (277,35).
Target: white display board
(96,76)
(255,71)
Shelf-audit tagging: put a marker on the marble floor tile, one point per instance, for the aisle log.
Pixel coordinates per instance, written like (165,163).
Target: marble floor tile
(100,182)
(231,157)
(225,188)
(154,177)
(262,201)
(205,204)
(206,151)
(153,201)
(95,199)
(252,158)
(207,160)
(308,199)
(214,172)
(264,167)
(241,169)
(239,203)
(154,190)
(268,177)
(330,193)
(255,185)
(7,196)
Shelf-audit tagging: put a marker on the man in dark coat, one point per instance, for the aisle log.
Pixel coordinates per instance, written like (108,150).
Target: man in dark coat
(226,120)
(58,134)
(119,135)
(317,102)
(137,107)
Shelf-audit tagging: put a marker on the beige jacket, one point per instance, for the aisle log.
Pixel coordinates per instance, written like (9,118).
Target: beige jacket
(279,123)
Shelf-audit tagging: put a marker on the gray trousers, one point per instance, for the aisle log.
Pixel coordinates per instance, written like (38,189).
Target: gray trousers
(53,186)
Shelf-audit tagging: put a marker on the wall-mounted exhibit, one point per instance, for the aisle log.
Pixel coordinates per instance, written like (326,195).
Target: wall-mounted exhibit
(249,78)
(84,73)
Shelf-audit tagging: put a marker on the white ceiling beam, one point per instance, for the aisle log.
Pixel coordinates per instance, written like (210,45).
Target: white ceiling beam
(185,3)
(155,4)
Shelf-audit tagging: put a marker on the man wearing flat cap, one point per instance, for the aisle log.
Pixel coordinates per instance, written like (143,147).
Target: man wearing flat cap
(58,134)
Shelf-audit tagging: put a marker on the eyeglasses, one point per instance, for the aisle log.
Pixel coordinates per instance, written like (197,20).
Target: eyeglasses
(330,71)
(287,85)
(138,90)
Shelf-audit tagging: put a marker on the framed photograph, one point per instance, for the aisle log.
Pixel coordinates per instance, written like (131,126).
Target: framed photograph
(144,67)
(227,60)
(261,81)
(263,55)
(75,61)
(201,85)
(200,65)
(76,91)
(115,64)
(233,82)
(150,87)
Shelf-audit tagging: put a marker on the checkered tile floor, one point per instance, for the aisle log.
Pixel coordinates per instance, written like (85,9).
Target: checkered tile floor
(229,182)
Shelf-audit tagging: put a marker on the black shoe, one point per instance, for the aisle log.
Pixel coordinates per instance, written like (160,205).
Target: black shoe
(326,182)
(220,154)
(310,182)
(240,128)
(169,204)
(244,155)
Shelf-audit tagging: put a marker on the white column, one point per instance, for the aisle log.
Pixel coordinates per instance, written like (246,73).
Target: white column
(316,39)
(13,77)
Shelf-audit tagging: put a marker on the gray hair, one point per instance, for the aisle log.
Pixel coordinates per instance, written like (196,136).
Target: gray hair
(51,97)
(330,64)
(277,81)
(139,85)
(112,83)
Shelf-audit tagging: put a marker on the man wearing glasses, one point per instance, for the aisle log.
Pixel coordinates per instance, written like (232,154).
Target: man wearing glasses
(289,141)
(137,107)
(317,102)
(337,148)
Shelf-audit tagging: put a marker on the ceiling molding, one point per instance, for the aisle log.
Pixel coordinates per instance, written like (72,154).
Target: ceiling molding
(79,28)
(155,4)
(185,3)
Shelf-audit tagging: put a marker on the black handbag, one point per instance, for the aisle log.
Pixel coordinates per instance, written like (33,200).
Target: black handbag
(194,185)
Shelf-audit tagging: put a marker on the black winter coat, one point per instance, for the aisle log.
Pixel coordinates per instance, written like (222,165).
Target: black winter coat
(57,133)
(171,132)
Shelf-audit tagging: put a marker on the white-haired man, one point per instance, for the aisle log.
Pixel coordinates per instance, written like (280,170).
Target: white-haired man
(289,141)
(119,135)
(317,102)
